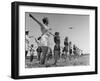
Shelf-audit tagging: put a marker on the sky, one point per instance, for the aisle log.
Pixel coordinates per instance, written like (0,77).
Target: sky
(78,35)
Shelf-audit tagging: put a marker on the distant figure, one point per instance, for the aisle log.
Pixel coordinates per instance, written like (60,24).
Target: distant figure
(70,48)
(27,39)
(32,52)
(74,50)
(65,49)
(56,47)
(77,51)
(82,52)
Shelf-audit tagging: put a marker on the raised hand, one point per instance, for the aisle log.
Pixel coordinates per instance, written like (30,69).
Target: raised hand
(30,15)
(35,19)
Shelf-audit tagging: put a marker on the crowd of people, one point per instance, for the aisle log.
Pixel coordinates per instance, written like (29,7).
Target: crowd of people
(43,50)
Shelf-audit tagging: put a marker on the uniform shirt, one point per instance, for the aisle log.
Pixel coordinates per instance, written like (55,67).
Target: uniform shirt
(57,39)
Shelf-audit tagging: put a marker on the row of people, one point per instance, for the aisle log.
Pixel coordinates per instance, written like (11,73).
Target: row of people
(67,50)
(43,47)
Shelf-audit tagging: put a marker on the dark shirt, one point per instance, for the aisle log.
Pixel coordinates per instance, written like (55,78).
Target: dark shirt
(39,49)
(65,43)
(57,39)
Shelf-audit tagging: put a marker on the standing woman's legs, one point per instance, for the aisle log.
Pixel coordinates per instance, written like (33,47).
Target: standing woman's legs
(44,52)
(39,54)
(39,50)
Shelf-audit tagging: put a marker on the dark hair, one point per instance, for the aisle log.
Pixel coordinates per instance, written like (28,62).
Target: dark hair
(56,33)
(66,38)
(26,32)
(32,45)
(45,20)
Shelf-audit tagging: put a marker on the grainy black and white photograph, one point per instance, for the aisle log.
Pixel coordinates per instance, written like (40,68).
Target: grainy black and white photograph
(56,40)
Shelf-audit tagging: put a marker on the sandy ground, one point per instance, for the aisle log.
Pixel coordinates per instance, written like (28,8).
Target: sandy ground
(78,61)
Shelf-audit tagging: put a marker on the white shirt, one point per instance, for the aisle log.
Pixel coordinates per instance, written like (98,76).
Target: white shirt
(27,39)
(44,40)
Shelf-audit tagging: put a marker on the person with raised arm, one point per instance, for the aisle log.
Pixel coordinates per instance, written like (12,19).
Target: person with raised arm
(44,25)
(45,30)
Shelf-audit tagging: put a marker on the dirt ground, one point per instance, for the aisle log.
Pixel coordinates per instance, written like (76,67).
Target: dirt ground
(69,61)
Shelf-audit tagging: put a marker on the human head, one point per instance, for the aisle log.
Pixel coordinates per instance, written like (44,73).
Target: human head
(45,21)
(56,33)
(26,32)
(32,45)
(66,38)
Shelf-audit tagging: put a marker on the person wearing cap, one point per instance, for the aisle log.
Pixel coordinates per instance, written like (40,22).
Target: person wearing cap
(56,47)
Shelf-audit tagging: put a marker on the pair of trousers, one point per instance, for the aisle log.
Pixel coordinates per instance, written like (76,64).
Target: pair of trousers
(56,55)
(39,55)
(39,50)
(43,54)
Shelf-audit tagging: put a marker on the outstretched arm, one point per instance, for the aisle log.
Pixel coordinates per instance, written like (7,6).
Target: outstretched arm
(35,19)
(52,34)
(41,25)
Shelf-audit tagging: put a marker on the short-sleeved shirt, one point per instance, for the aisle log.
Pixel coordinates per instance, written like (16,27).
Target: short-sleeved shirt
(45,40)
